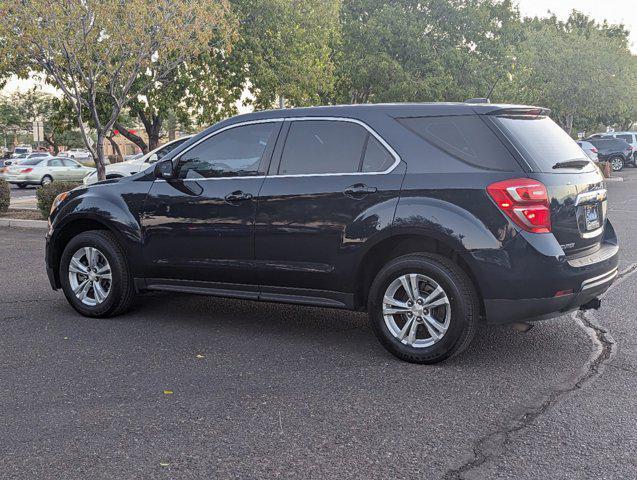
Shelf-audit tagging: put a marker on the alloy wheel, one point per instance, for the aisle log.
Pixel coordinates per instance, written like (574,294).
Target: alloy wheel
(416,310)
(90,276)
(617,164)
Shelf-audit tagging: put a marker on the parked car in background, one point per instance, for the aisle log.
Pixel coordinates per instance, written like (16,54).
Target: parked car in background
(27,156)
(419,214)
(589,149)
(42,171)
(629,137)
(76,154)
(134,156)
(22,149)
(614,150)
(131,167)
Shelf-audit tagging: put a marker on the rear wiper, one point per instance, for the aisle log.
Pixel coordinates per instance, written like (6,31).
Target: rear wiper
(572,164)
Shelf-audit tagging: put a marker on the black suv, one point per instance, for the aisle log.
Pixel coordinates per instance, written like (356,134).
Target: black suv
(431,217)
(614,150)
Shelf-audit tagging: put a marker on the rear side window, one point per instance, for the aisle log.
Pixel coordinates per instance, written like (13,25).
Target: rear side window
(628,138)
(322,146)
(376,158)
(465,137)
(541,141)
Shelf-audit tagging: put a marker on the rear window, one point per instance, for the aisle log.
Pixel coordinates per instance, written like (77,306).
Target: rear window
(465,137)
(541,141)
(31,161)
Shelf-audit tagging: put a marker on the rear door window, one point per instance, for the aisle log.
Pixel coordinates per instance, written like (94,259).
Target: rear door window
(542,142)
(322,146)
(465,137)
(376,158)
(628,138)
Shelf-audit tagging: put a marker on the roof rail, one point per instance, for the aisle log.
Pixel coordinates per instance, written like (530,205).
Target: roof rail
(478,100)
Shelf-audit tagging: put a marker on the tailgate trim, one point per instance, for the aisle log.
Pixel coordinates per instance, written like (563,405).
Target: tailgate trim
(599,280)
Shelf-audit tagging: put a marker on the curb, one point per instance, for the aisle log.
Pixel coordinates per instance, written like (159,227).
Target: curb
(18,223)
(614,179)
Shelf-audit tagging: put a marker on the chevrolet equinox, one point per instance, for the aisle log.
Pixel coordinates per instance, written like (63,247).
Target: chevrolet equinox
(433,218)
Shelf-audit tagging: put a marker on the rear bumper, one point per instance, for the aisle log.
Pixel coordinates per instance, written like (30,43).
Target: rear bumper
(504,311)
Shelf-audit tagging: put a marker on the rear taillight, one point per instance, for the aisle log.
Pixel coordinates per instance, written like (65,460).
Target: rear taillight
(525,202)
(26,170)
(594,150)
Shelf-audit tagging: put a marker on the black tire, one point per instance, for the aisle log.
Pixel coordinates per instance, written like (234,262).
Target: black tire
(46,180)
(614,161)
(22,185)
(122,289)
(463,302)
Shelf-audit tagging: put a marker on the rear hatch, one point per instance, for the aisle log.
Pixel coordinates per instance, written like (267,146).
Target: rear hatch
(576,189)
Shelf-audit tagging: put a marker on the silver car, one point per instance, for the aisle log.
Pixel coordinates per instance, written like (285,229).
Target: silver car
(42,171)
(589,149)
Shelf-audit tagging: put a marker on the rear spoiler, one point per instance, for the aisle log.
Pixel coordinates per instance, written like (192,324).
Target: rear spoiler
(521,112)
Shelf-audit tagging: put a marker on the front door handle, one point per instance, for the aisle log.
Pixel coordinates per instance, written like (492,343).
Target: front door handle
(238,196)
(359,190)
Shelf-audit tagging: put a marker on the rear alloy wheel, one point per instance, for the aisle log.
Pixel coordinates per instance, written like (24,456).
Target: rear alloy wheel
(46,180)
(423,308)
(617,164)
(95,276)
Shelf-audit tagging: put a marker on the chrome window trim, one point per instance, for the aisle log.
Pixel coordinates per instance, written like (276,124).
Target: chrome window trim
(369,129)
(380,139)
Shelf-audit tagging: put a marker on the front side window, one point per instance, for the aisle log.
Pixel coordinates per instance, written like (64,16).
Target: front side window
(322,146)
(70,163)
(232,153)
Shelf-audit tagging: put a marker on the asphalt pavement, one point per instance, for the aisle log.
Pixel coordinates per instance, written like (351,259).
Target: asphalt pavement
(198,387)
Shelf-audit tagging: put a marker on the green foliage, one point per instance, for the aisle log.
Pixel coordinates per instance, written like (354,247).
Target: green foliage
(5,195)
(46,195)
(582,70)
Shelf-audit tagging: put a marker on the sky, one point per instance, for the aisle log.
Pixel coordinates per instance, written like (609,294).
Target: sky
(615,11)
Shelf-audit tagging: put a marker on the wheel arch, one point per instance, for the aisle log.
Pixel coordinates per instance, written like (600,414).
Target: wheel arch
(405,243)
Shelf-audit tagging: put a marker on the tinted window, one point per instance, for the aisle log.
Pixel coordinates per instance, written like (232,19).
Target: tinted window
(70,163)
(169,148)
(541,141)
(377,158)
(465,137)
(39,155)
(30,161)
(612,144)
(322,146)
(234,152)
(628,138)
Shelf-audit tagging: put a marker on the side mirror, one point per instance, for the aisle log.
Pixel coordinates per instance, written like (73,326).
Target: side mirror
(164,170)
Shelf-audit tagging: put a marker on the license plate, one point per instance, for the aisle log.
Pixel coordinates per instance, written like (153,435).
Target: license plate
(592,217)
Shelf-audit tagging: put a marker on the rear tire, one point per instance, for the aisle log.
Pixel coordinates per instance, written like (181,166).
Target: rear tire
(99,288)
(617,164)
(46,180)
(453,323)
(22,185)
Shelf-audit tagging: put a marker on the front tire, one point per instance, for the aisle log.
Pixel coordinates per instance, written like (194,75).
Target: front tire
(95,276)
(423,308)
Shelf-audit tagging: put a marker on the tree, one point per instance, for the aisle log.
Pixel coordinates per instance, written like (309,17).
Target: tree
(423,50)
(92,47)
(286,47)
(582,70)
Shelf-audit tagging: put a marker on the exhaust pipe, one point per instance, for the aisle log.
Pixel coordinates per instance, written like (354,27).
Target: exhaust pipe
(593,304)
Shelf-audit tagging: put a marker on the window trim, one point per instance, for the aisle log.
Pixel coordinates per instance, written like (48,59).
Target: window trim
(216,132)
(370,130)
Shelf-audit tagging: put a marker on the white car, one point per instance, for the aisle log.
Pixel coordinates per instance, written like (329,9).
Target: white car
(76,154)
(26,156)
(131,167)
(42,171)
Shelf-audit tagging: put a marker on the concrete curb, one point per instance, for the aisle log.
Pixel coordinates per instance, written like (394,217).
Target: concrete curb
(614,179)
(18,223)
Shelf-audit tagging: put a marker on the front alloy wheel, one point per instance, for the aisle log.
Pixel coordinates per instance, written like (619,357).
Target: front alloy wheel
(90,276)
(416,310)
(616,164)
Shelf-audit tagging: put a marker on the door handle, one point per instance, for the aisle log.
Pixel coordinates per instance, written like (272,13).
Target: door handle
(238,196)
(359,190)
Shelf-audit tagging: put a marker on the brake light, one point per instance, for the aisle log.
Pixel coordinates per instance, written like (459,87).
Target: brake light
(26,170)
(525,202)
(594,150)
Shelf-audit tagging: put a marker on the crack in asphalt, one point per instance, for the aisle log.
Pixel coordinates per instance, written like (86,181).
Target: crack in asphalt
(494,444)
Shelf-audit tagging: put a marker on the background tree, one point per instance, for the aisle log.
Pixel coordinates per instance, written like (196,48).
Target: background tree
(423,50)
(582,70)
(286,49)
(94,46)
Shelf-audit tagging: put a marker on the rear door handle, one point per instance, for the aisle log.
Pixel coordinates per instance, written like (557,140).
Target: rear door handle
(359,190)
(238,196)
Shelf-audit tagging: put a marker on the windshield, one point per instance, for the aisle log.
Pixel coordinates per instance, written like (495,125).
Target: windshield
(542,142)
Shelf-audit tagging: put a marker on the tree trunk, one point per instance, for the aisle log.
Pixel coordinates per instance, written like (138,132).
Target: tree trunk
(139,141)
(569,123)
(116,149)
(99,161)
(51,141)
(153,129)
(171,134)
